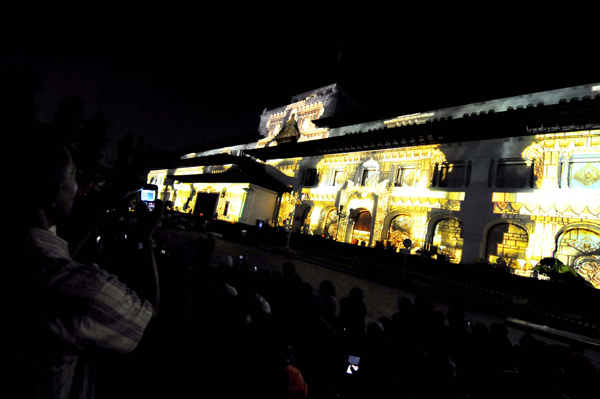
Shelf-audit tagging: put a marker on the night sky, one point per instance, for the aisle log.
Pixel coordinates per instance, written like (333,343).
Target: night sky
(179,87)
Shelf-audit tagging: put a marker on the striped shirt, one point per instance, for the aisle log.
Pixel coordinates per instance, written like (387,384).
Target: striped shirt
(69,311)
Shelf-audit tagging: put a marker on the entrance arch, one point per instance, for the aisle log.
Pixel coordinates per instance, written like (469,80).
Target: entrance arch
(362,228)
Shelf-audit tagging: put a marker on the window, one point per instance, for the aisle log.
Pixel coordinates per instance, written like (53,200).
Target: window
(514,175)
(406,176)
(310,177)
(453,175)
(338,178)
(368,176)
(226,208)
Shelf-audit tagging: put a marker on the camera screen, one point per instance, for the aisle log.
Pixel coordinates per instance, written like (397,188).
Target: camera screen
(148,195)
(353,362)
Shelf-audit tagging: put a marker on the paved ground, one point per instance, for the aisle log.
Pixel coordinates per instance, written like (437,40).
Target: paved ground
(381,299)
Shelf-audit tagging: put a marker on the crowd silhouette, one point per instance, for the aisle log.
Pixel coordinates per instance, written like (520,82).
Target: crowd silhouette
(235,329)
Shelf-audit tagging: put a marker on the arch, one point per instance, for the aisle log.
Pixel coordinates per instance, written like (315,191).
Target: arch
(398,227)
(577,240)
(361,230)
(490,225)
(323,219)
(447,237)
(388,219)
(578,245)
(592,225)
(363,221)
(505,242)
(436,218)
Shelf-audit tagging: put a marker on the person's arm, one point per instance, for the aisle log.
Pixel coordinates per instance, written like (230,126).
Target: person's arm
(149,287)
(87,213)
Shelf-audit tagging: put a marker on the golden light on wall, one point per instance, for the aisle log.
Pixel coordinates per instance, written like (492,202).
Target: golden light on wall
(288,167)
(565,198)
(367,181)
(183,192)
(231,198)
(196,170)
(448,239)
(287,208)
(507,244)
(331,224)
(400,229)
(580,248)
(231,202)
(565,159)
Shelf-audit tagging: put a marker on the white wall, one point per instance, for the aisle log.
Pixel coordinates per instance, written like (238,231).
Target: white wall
(260,205)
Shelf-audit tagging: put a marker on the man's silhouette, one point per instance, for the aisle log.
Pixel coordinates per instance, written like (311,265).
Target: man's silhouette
(63,313)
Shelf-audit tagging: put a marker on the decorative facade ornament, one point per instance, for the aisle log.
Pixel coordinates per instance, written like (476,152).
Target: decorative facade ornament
(588,267)
(588,175)
(585,245)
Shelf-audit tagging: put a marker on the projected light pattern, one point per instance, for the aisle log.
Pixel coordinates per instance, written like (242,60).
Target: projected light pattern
(563,209)
(231,199)
(364,182)
(448,239)
(510,200)
(304,112)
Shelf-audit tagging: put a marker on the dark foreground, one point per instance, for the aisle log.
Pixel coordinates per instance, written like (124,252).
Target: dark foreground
(208,347)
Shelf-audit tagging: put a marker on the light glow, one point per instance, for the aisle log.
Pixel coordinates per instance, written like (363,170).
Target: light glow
(567,169)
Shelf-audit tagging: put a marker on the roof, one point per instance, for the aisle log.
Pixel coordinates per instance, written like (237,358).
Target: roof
(247,138)
(246,170)
(578,114)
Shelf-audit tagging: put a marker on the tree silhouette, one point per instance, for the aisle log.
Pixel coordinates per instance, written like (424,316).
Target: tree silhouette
(136,156)
(87,138)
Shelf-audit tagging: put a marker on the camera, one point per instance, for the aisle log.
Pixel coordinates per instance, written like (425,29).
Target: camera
(148,195)
(353,362)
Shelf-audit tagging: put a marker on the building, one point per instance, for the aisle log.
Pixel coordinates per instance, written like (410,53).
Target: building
(510,181)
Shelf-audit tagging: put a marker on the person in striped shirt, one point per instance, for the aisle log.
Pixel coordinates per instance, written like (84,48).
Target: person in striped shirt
(64,313)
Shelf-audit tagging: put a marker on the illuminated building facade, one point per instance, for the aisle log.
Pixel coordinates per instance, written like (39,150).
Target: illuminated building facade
(509,181)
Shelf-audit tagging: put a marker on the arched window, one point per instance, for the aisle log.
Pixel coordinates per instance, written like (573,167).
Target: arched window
(577,242)
(447,237)
(506,242)
(580,248)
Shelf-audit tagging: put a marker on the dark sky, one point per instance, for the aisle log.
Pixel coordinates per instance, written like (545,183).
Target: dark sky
(183,86)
